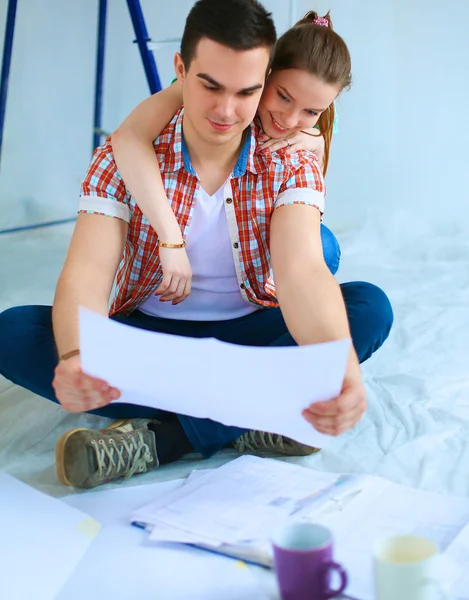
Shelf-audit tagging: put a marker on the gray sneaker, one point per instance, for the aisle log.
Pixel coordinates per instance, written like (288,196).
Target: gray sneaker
(86,458)
(261,442)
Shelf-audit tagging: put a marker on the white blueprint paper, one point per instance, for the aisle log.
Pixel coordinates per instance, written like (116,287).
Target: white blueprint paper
(249,387)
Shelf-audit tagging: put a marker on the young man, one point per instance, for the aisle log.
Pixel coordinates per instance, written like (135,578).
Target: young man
(244,217)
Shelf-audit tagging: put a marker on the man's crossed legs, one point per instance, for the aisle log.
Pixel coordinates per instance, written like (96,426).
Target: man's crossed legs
(28,358)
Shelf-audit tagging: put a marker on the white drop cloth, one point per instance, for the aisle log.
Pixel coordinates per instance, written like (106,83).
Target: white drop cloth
(416,430)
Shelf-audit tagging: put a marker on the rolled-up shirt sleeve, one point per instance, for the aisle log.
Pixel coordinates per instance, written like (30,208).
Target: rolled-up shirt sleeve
(304,186)
(103,191)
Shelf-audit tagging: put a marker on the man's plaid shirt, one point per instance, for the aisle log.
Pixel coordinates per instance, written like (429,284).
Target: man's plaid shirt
(259,185)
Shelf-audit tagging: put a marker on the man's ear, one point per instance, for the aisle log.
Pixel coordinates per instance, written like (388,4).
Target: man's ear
(179,67)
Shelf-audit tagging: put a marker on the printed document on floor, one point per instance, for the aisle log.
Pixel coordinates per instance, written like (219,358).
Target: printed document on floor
(236,509)
(42,540)
(254,388)
(384,509)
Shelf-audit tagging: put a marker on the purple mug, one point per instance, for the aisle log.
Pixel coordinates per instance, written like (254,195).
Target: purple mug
(303,563)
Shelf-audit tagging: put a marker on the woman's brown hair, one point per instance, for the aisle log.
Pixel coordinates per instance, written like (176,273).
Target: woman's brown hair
(313,46)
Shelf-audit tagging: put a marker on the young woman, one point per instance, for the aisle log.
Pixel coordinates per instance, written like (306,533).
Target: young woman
(311,66)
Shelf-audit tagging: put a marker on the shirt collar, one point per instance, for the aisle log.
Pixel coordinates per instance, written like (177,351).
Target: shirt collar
(248,160)
(176,149)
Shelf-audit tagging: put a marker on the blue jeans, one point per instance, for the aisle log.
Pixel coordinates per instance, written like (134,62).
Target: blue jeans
(28,356)
(330,249)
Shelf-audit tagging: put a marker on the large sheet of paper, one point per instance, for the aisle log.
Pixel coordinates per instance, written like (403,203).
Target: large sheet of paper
(253,388)
(42,540)
(123,565)
(385,509)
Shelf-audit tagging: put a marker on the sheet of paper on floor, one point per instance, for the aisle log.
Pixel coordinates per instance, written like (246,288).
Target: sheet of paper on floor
(246,500)
(243,500)
(42,540)
(384,509)
(269,399)
(123,564)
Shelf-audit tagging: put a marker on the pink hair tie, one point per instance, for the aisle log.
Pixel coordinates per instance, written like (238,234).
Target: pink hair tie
(321,21)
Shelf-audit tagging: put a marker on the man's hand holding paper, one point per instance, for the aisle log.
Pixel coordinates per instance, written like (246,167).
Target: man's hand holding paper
(78,392)
(337,416)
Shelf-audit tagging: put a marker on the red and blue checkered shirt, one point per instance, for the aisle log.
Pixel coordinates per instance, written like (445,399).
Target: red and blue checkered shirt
(259,185)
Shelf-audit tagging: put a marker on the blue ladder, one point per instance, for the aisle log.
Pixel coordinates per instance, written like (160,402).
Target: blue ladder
(148,60)
(6,62)
(149,65)
(142,40)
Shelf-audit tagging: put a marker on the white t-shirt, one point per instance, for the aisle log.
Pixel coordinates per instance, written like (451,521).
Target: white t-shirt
(215,294)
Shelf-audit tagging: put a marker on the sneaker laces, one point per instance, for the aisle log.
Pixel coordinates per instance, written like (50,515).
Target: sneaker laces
(130,456)
(252,441)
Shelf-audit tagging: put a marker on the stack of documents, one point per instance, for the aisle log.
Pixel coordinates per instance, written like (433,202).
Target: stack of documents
(236,508)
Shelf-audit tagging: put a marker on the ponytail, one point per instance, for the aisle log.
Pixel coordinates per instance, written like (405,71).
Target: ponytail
(313,18)
(326,127)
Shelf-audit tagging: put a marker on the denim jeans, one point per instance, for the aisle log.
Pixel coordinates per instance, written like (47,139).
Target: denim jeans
(28,356)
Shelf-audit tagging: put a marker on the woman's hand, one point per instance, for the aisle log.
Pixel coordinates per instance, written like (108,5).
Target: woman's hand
(299,140)
(177,275)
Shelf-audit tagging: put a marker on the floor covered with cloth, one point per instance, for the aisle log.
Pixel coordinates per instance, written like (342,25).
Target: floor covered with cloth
(415,432)
(416,429)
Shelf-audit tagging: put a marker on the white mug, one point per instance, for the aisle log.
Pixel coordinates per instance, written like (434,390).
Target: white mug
(406,567)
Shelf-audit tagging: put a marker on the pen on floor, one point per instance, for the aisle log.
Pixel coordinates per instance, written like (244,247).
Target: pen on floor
(139,525)
(327,493)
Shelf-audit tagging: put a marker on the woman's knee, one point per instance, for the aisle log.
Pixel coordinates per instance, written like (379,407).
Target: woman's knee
(331,249)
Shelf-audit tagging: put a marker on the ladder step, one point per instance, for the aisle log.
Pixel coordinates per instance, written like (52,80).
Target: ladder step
(100,131)
(153,45)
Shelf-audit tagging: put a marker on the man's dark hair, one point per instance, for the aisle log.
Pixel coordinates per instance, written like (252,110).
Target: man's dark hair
(237,24)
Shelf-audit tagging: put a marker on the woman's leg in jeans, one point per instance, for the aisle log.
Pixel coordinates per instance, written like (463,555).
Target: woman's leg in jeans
(331,249)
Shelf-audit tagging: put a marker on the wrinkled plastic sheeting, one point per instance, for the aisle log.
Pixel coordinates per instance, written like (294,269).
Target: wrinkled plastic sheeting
(416,429)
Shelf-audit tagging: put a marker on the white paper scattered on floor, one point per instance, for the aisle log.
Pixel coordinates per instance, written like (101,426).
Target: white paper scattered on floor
(254,388)
(42,540)
(244,500)
(122,564)
(385,509)
(250,498)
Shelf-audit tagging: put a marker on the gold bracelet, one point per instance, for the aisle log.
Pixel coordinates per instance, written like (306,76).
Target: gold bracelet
(165,245)
(69,354)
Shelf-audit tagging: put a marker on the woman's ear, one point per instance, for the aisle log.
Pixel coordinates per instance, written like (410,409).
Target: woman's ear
(179,67)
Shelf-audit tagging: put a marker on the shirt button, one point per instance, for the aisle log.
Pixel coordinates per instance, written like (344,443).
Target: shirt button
(236,245)
(242,286)
(229,200)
